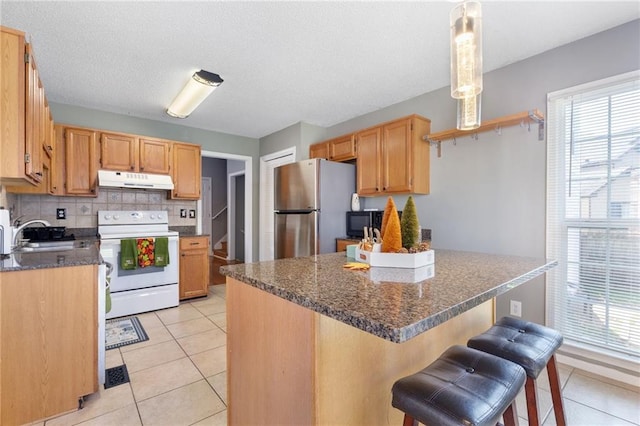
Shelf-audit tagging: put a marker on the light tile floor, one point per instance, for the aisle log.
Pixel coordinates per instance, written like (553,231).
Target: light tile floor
(178,377)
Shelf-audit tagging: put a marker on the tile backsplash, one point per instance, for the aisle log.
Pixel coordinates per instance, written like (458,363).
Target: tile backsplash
(82,212)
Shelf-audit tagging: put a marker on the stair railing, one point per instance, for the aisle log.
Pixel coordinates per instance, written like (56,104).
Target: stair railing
(219,213)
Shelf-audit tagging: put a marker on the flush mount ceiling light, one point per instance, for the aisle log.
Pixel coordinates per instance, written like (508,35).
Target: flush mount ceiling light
(466,62)
(199,86)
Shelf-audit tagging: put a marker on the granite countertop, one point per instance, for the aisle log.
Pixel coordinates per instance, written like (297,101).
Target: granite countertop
(384,301)
(22,261)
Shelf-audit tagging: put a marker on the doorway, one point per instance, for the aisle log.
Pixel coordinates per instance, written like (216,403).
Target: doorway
(247,225)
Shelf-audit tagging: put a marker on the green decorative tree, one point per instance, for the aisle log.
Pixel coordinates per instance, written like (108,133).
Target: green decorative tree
(409,224)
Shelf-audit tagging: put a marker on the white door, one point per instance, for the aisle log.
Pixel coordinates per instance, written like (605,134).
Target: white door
(267,164)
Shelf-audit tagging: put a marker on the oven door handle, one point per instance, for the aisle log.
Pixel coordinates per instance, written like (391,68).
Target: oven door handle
(109,268)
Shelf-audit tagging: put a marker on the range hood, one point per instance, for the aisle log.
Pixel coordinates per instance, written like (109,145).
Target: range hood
(111,179)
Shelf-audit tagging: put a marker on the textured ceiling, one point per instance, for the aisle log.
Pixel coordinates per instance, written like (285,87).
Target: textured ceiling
(282,62)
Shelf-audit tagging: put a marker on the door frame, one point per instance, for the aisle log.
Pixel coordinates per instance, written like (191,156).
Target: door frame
(203,208)
(231,211)
(248,202)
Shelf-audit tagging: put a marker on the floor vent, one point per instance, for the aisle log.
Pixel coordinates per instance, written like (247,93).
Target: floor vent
(116,376)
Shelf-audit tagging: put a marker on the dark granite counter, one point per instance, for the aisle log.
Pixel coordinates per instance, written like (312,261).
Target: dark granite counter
(22,261)
(385,301)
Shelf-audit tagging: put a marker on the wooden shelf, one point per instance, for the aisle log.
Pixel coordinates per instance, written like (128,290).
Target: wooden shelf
(496,124)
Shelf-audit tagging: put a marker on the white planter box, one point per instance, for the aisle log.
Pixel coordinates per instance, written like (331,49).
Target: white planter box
(402,275)
(396,260)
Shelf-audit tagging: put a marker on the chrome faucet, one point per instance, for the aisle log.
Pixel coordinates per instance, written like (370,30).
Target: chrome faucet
(17,231)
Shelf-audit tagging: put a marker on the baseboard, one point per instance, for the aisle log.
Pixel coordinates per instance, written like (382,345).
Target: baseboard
(616,373)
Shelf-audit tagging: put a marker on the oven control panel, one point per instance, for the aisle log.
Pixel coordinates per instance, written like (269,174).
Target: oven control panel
(117,217)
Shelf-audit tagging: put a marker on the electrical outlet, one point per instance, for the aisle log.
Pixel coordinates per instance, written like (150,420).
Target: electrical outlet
(192,214)
(516,308)
(61,213)
(183,212)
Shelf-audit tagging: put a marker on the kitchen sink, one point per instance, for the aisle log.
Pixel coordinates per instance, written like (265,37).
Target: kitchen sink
(54,246)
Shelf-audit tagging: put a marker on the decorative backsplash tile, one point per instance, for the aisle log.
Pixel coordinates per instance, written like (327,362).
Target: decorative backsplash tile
(82,212)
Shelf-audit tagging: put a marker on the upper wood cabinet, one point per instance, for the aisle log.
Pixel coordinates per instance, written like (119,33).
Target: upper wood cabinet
(81,161)
(393,158)
(319,150)
(155,155)
(124,152)
(24,117)
(186,171)
(119,152)
(342,148)
(369,162)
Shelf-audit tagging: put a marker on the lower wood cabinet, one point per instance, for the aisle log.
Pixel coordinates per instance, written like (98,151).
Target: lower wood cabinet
(342,243)
(194,266)
(49,350)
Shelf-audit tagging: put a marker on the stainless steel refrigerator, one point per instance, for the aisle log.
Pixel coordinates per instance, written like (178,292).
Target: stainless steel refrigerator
(310,200)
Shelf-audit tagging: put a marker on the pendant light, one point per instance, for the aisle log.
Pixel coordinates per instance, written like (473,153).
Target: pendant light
(466,63)
(466,50)
(469,112)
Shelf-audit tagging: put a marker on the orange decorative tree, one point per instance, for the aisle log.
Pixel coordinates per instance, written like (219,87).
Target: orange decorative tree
(391,233)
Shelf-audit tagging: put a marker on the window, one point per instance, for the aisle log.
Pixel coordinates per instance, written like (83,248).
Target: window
(593,215)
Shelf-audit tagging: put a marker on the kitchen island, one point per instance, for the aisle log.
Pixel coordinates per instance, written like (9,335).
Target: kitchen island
(309,342)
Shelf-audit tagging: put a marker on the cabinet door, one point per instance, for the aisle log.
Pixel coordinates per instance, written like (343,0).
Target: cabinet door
(60,307)
(81,162)
(194,267)
(49,142)
(119,152)
(319,150)
(155,156)
(32,120)
(343,148)
(397,167)
(186,171)
(368,162)
(12,106)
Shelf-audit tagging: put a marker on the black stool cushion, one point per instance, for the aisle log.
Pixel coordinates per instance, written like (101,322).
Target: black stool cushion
(462,387)
(526,343)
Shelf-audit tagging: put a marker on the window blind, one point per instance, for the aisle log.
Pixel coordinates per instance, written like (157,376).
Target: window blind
(593,215)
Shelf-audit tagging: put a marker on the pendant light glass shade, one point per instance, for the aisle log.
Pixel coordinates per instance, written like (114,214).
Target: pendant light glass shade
(469,113)
(466,50)
(199,86)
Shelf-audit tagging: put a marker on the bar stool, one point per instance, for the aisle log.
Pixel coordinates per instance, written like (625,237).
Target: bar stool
(462,387)
(533,347)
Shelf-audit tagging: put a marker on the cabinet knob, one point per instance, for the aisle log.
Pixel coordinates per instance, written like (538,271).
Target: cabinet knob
(132,168)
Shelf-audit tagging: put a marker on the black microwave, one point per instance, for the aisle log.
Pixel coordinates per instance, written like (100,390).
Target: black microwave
(356,222)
